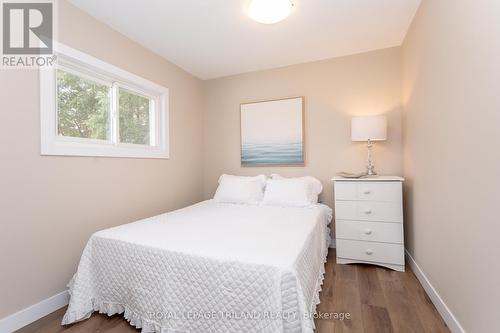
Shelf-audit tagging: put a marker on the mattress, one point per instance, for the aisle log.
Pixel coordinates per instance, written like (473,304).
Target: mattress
(209,267)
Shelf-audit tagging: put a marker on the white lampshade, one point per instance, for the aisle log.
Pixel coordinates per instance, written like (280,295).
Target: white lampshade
(372,128)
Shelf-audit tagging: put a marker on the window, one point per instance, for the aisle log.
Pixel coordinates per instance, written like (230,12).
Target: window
(83,107)
(91,108)
(135,117)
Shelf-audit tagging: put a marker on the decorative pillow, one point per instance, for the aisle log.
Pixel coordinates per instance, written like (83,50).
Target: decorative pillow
(299,192)
(240,189)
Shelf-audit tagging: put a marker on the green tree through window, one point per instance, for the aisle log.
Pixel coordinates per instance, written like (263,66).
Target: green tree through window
(134,118)
(82,107)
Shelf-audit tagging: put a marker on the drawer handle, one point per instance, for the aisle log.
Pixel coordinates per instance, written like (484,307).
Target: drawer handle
(368,231)
(367,211)
(369,252)
(367,192)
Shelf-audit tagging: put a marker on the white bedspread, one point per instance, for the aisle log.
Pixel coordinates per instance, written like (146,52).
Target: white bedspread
(210,267)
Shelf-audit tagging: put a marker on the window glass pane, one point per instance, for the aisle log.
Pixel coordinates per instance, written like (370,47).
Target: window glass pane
(134,117)
(82,107)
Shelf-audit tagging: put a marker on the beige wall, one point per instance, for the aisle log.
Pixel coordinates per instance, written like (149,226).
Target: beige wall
(451,95)
(50,205)
(334,91)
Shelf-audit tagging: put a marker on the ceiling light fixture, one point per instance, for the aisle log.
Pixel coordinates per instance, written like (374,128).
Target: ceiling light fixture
(269,11)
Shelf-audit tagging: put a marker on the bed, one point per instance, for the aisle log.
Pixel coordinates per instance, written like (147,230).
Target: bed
(209,267)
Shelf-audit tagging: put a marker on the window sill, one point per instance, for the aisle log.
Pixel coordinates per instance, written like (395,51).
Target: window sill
(70,148)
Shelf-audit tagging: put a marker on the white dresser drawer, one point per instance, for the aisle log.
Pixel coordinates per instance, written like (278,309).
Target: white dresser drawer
(377,191)
(366,190)
(369,211)
(370,251)
(369,231)
(346,190)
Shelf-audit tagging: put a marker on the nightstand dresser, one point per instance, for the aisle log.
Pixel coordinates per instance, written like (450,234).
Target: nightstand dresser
(369,221)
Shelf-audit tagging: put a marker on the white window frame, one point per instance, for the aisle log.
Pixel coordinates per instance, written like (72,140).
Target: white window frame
(85,65)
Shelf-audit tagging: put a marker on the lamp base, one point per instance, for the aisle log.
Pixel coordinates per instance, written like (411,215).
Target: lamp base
(370,168)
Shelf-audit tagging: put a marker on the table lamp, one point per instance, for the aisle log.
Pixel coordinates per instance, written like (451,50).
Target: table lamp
(369,129)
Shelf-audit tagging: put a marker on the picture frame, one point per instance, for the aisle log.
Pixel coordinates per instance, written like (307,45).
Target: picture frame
(272,133)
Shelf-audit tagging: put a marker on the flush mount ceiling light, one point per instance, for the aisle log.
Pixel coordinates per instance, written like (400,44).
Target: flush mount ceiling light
(269,11)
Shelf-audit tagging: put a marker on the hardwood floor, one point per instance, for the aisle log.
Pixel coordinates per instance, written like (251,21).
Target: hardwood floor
(377,300)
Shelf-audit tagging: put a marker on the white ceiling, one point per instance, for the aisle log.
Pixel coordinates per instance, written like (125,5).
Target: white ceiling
(214,38)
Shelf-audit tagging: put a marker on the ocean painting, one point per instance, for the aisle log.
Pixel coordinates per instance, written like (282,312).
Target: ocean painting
(272,133)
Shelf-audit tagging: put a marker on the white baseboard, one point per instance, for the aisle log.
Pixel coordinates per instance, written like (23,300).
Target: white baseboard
(33,313)
(332,243)
(440,305)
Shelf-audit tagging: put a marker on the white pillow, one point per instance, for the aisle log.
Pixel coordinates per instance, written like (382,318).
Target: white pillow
(316,185)
(299,192)
(239,189)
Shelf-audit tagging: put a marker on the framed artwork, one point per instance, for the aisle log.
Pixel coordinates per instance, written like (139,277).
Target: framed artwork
(272,132)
